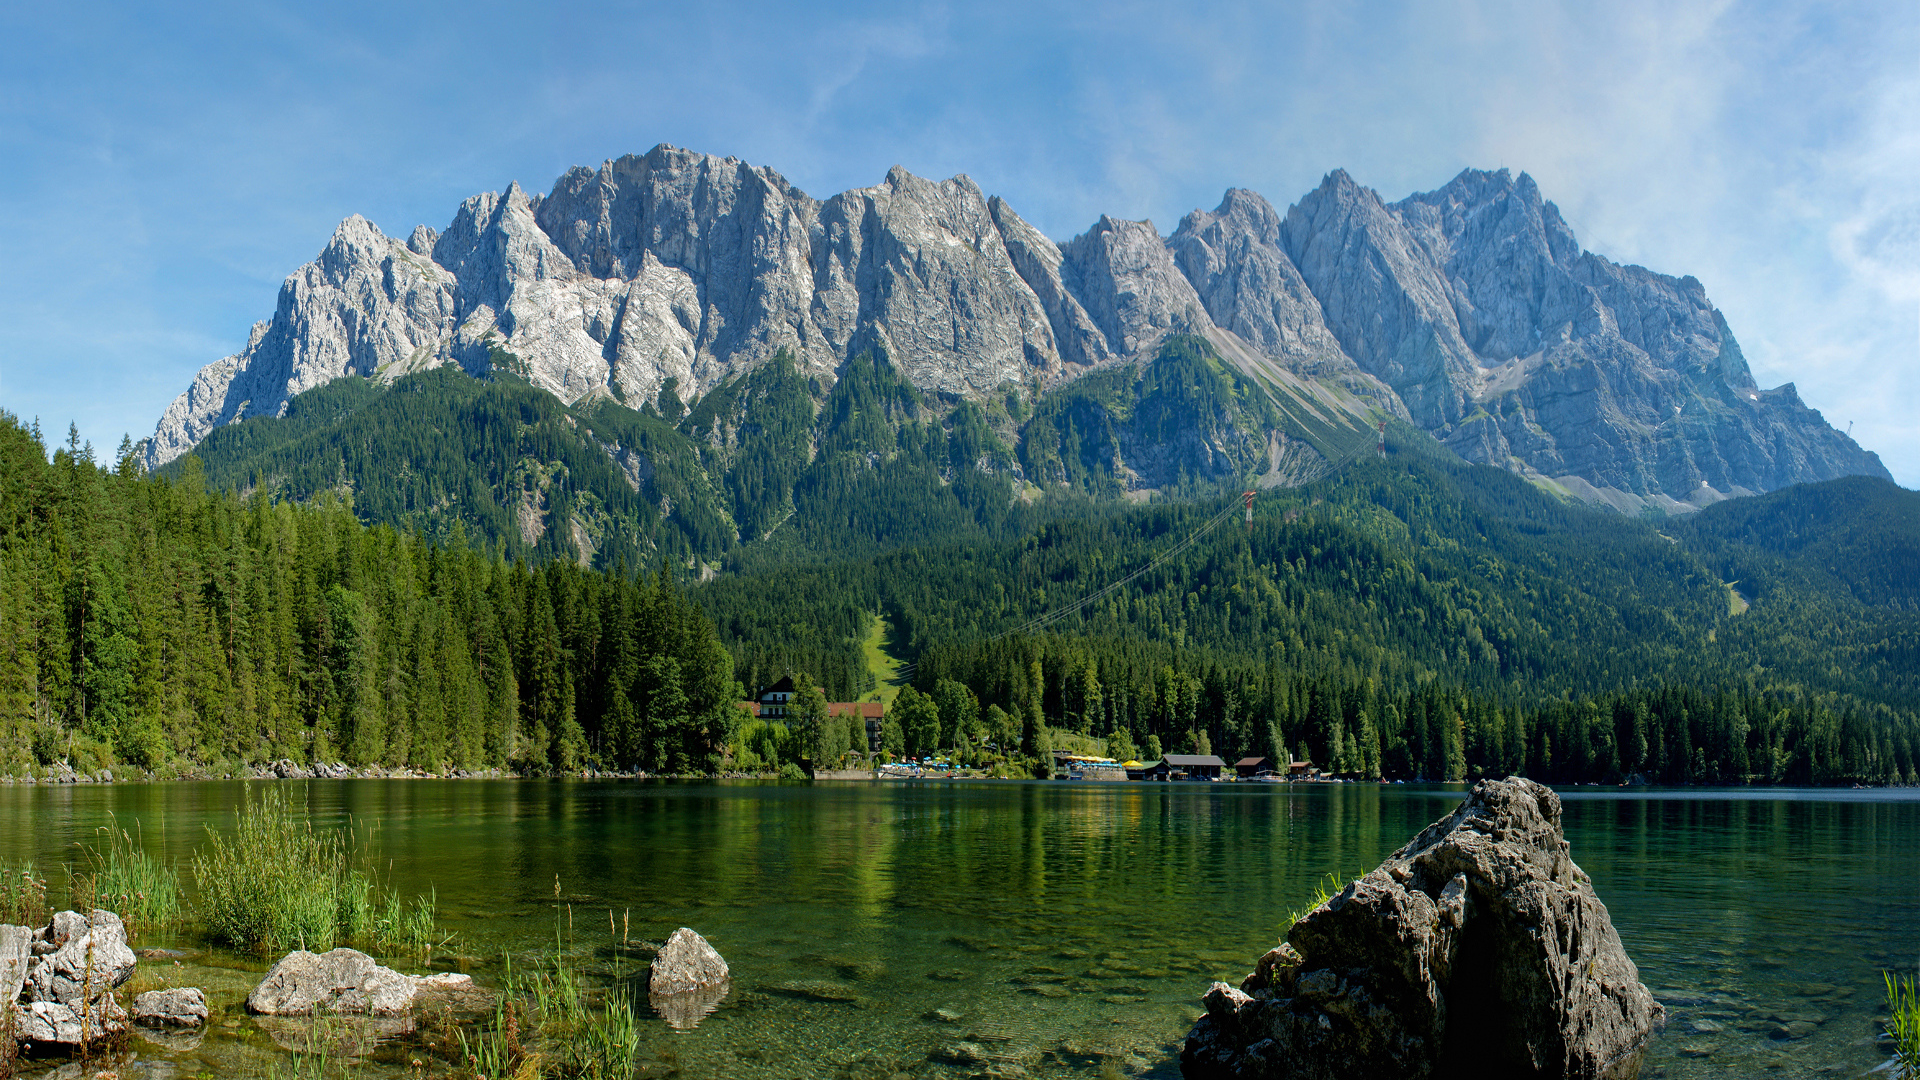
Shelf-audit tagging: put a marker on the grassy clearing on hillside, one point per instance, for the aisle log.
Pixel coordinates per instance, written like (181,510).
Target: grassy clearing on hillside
(884,665)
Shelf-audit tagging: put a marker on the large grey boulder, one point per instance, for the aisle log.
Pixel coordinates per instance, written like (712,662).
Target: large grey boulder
(344,981)
(688,980)
(1477,949)
(686,962)
(50,1023)
(59,978)
(81,958)
(183,1007)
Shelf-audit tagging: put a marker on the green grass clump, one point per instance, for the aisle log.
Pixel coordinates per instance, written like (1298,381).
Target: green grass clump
(1324,890)
(276,884)
(400,927)
(23,895)
(1903,1001)
(124,879)
(548,1026)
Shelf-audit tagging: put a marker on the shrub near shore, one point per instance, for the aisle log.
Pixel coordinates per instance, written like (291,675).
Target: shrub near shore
(277,885)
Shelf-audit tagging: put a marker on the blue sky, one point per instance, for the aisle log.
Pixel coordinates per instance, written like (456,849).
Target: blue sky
(166,169)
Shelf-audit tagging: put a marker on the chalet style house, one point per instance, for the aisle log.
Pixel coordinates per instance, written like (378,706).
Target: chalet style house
(776,702)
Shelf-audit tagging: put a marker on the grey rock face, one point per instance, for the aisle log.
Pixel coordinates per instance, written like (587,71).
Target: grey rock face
(668,265)
(1471,310)
(341,981)
(686,962)
(1477,949)
(1127,280)
(1233,257)
(15,942)
(183,1007)
(1519,349)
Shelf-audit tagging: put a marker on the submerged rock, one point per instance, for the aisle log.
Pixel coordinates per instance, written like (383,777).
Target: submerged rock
(1477,949)
(340,981)
(180,1007)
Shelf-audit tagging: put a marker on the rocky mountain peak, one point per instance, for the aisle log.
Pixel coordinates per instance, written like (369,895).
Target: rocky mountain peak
(1138,296)
(1471,309)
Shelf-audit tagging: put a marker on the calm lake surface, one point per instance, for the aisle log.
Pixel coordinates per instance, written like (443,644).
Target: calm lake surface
(1062,929)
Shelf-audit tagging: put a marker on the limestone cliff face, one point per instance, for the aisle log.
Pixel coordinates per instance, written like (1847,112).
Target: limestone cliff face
(1516,348)
(1471,310)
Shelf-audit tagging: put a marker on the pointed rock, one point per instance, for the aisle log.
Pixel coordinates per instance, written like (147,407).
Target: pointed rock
(686,962)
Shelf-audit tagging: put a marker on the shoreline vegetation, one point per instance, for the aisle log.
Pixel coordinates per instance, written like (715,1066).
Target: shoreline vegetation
(273,885)
(276,885)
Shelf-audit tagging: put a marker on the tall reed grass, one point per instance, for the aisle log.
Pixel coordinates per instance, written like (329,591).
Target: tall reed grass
(23,895)
(1903,1001)
(124,879)
(276,884)
(548,1026)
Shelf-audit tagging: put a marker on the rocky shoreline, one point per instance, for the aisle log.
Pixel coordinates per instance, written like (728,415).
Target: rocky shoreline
(286,769)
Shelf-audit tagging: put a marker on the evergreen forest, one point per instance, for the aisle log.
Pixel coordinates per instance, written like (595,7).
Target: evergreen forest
(456,574)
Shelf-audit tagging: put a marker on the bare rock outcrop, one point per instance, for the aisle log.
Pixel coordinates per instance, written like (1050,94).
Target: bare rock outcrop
(59,979)
(343,981)
(1516,348)
(1472,309)
(1479,949)
(179,1007)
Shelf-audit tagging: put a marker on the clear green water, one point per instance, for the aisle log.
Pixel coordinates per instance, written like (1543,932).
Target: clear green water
(1062,929)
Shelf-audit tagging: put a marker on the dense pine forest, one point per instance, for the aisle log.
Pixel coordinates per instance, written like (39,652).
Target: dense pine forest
(1409,617)
(145,623)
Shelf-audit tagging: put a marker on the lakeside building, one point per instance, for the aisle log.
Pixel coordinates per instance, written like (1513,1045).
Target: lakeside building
(1186,767)
(871,713)
(776,703)
(775,699)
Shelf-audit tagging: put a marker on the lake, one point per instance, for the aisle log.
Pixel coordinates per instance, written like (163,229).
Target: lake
(1054,928)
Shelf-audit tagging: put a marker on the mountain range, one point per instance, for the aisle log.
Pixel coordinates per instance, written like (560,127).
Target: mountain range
(662,284)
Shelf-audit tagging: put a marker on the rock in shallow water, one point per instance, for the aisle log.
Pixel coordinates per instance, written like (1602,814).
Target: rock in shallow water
(686,962)
(340,981)
(180,1007)
(1477,949)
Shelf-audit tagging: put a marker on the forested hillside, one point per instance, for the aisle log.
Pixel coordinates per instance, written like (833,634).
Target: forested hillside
(1411,617)
(146,623)
(771,468)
